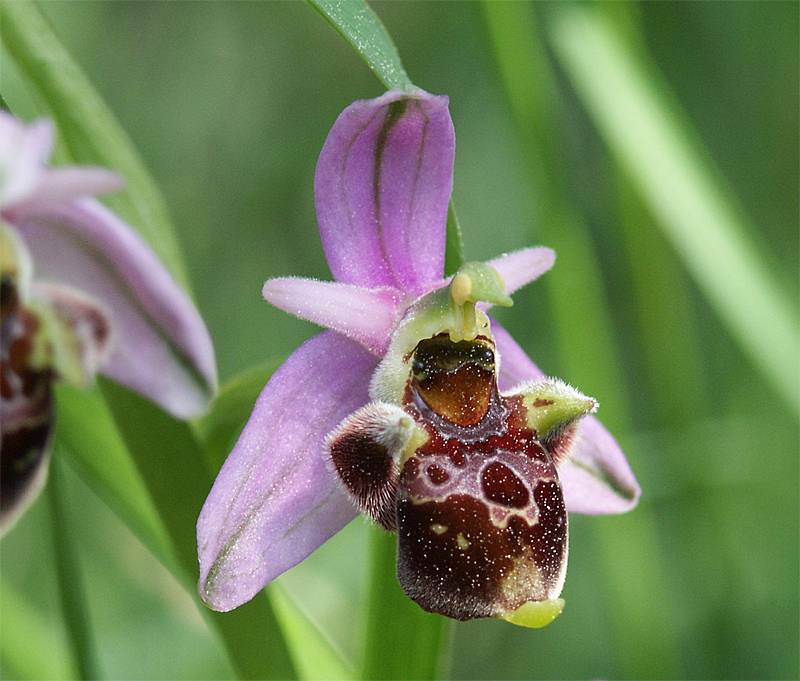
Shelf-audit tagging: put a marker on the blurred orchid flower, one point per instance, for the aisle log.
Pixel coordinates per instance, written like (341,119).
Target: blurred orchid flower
(81,293)
(414,407)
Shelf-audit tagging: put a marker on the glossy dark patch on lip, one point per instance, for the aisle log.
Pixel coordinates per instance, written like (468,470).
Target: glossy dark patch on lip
(455,380)
(502,486)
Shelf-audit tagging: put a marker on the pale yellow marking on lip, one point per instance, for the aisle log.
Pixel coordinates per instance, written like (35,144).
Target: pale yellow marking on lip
(438,529)
(462,542)
(535,614)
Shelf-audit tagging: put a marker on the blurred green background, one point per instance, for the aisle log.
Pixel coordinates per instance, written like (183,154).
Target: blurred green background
(229,104)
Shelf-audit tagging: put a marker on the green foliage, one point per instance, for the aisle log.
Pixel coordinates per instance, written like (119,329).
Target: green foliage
(629,103)
(70,578)
(355,21)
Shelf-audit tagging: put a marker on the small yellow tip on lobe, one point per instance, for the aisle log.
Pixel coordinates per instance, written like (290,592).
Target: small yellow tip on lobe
(461,288)
(535,614)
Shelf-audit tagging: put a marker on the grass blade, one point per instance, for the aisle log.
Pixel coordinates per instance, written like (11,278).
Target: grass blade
(85,427)
(168,457)
(314,655)
(355,21)
(70,578)
(626,100)
(30,647)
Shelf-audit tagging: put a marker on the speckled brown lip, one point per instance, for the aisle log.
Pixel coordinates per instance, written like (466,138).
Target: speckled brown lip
(481,521)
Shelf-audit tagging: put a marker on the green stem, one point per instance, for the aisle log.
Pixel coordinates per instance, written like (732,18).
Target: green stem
(70,579)
(402,640)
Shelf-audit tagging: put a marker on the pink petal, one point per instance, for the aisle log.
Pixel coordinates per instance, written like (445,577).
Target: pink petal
(162,348)
(367,316)
(24,149)
(64,184)
(382,187)
(276,498)
(596,477)
(520,268)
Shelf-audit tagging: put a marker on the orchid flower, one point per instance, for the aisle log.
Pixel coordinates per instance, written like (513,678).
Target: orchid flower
(414,408)
(81,294)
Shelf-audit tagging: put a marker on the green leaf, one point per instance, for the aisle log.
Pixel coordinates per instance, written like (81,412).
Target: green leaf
(88,128)
(355,21)
(89,440)
(314,655)
(30,647)
(626,97)
(167,482)
(70,577)
(168,456)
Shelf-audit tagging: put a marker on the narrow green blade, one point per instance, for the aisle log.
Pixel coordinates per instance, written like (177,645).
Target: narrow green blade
(626,100)
(168,456)
(355,21)
(30,648)
(70,577)
(314,655)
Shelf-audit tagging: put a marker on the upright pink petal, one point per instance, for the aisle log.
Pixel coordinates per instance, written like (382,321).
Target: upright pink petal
(596,477)
(276,498)
(364,315)
(162,348)
(382,187)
